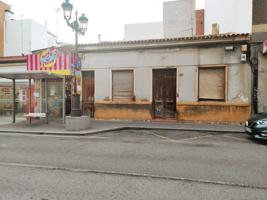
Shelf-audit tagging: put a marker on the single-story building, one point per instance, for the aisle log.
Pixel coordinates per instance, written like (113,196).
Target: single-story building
(200,78)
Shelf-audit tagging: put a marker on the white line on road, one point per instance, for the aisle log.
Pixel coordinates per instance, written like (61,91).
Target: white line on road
(164,137)
(236,138)
(197,137)
(172,178)
(187,140)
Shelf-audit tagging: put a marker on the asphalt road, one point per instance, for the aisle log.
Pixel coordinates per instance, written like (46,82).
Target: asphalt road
(133,164)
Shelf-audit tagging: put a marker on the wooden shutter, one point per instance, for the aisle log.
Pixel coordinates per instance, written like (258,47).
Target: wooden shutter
(212,83)
(122,83)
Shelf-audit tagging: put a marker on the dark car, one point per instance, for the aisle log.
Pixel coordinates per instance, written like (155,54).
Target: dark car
(256,126)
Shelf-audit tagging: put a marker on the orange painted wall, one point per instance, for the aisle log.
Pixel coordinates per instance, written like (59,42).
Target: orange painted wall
(210,112)
(123,111)
(3,7)
(213,112)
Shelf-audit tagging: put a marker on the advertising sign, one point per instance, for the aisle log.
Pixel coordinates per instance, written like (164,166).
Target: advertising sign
(50,60)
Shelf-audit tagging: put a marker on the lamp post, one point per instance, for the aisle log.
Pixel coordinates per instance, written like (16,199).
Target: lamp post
(79,26)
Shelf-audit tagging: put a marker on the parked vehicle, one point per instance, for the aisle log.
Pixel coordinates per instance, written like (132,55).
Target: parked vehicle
(256,126)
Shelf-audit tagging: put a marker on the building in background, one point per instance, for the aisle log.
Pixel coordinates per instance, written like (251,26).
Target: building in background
(4,8)
(143,31)
(21,37)
(25,36)
(18,38)
(231,16)
(179,18)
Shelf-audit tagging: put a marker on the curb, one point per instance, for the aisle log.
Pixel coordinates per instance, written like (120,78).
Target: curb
(185,129)
(84,133)
(61,133)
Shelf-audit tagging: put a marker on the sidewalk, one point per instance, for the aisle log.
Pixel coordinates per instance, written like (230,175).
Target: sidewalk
(98,126)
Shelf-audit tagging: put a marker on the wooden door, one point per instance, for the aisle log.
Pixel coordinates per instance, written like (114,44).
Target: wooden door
(164,93)
(88,93)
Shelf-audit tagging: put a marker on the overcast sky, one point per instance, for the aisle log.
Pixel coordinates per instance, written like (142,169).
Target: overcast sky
(106,17)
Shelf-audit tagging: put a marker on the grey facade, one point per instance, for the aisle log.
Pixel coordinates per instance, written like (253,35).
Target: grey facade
(186,55)
(262,85)
(258,60)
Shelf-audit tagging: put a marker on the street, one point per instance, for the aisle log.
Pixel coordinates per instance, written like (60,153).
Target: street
(133,164)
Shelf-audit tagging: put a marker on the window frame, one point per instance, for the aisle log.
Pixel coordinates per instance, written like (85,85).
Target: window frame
(112,85)
(225,67)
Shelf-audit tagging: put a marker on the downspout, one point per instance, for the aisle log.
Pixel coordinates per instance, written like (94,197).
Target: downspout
(254,68)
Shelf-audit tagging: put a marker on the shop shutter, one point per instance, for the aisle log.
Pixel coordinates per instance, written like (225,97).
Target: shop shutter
(212,83)
(122,85)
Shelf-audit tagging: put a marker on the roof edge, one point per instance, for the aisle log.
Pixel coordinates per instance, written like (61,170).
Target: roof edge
(167,42)
(13,59)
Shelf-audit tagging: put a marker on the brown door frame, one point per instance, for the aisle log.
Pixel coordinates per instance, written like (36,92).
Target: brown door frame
(90,103)
(164,70)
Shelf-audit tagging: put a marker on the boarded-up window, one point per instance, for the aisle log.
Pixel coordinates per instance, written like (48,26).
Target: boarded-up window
(211,83)
(122,85)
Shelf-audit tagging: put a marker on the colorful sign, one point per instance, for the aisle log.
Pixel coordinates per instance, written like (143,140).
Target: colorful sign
(48,58)
(264,48)
(52,61)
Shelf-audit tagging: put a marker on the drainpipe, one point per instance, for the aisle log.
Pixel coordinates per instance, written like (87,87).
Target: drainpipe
(254,68)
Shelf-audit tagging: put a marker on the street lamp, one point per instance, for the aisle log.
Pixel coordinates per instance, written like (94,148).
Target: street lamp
(79,26)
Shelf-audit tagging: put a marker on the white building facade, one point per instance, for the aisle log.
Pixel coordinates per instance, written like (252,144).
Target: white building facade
(21,37)
(143,31)
(184,79)
(232,16)
(179,20)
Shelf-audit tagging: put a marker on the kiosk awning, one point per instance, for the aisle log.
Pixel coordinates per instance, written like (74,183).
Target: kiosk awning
(29,75)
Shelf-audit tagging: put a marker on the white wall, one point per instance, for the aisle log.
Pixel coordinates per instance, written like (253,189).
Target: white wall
(25,36)
(51,40)
(143,31)
(187,84)
(178,21)
(17,37)
(231,15)
(38,37)
(102,84)
(179,18)
(143,86)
